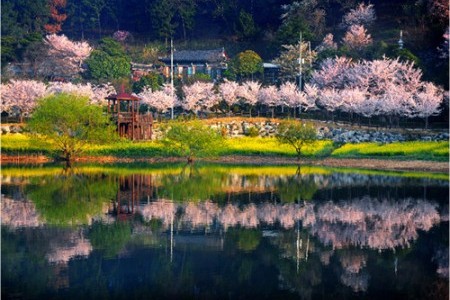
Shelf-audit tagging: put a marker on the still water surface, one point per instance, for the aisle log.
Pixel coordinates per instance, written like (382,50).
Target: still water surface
(222,232)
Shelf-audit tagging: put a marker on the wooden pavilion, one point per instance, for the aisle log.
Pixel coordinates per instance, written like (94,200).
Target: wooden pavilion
(124,110)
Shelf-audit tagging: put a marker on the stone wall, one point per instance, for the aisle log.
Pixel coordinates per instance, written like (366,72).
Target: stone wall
(327,131)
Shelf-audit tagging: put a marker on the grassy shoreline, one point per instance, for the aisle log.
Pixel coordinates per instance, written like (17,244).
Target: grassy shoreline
(22,145)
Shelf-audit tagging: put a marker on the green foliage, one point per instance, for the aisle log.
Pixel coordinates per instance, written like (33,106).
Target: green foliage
(70,123)
(192,139)
(198,77)
(247,27)
(246,240)
(71,199)
(289,31)
(247,63)
(110,238)
(152,79)
(296,188)
(108,62)
(296,134)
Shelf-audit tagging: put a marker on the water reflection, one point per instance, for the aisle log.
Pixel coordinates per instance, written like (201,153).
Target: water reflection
(217,231)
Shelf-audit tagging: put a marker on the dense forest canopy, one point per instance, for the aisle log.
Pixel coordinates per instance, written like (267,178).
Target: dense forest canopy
(262,26)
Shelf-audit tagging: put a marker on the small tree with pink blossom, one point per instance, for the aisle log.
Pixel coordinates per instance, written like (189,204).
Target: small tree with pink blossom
(361,15)
(357,38)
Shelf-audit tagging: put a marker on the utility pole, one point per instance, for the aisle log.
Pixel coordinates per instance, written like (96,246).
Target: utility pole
(171,76)
(300,60)
(300,64)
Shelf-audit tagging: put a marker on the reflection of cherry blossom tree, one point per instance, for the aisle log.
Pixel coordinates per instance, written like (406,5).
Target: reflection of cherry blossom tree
(16,214)
(74,246)
(163,210)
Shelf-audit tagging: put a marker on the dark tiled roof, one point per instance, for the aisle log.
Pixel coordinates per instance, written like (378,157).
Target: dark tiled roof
(197,56)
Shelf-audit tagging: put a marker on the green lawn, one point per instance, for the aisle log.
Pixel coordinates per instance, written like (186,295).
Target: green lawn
(436,151)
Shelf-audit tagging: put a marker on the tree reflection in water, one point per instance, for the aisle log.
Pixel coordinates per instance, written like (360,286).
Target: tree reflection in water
(252,223)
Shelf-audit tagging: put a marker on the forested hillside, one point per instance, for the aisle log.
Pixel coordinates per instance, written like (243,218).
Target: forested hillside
(262,25)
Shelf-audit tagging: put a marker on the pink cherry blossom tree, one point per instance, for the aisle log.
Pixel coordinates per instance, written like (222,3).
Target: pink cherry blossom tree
(426,101)
(20,96)
(57,87)
(357,38)
(269,96)
(64,57)
(199,96)
(161,100)
(228,91)
(100,92)
(248,93)
(361,15)
(332,73)
(331,100)
(290,96)
(327,43)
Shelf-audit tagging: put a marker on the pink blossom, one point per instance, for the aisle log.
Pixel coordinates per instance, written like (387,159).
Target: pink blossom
(362,15)
(21,95)
(161,100)
(228,92)
(357,37)
(248,92)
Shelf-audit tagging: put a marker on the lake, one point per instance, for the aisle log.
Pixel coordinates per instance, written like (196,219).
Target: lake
(209,231)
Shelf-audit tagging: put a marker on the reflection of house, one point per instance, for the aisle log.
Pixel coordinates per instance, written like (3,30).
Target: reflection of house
(189,62)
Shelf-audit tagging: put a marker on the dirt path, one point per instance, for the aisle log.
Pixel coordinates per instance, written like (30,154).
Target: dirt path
(363,163)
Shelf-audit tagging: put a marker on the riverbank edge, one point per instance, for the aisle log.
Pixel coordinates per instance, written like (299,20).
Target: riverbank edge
(360,163)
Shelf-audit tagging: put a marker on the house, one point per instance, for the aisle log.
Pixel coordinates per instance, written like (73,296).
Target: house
(189,62)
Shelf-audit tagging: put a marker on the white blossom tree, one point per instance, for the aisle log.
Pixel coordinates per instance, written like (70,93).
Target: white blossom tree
(161,100)
(58,87)
(248,93)
(426,102)
(64,57)
(357,38)
(331,100)
(100,92)
(228,91)
(269,96)
(361,15)
(20,96)
(199,96)
(332,73)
